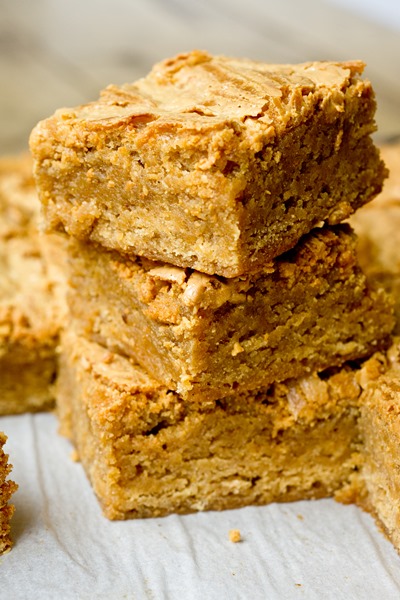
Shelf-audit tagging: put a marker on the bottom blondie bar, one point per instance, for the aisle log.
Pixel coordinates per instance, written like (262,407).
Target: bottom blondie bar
(7,488)
(31,295)
(148,453)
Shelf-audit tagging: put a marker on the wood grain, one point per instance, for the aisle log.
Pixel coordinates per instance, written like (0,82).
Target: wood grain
(56,53)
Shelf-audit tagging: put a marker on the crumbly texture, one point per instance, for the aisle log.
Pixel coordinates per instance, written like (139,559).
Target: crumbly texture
(149,453)
(7,488)
(31,298)
(380,431)
(205,336)
(212,163)
(378,228)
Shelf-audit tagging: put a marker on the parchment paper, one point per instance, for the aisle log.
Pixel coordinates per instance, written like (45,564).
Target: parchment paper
(65,549)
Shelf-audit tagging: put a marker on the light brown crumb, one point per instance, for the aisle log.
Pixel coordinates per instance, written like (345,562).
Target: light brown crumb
(234,536)
(237,349)
(75,456)
(300,517)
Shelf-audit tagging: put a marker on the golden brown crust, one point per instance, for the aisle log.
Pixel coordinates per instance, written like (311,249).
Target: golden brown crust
(224,89)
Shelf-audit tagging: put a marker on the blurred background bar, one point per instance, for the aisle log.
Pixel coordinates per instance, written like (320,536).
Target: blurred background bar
(61,53)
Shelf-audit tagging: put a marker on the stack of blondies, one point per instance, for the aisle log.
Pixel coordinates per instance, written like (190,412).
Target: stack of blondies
(215,297)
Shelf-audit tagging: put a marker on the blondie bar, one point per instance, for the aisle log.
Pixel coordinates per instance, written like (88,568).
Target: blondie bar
(206,336)
(380,432)
(149,453)
(7,488)
(31,303)
(378,229)
(212,163)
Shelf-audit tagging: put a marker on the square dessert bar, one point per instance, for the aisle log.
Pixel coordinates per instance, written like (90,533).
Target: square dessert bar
(206,336)
(377,226)
(148,453)
(7,488)
(31,303)
(212,163)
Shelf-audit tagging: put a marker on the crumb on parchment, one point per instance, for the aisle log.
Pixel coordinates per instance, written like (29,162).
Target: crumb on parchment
(235,536)
(75,456)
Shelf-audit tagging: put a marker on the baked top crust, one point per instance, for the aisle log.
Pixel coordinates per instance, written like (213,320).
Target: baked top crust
(197,87)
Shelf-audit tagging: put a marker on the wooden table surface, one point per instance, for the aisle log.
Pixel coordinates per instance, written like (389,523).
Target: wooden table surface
(56,53)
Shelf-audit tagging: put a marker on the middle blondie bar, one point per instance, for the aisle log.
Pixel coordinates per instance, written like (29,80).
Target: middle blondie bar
(205,336)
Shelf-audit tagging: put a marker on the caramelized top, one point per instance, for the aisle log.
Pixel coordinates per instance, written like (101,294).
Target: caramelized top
(197,86)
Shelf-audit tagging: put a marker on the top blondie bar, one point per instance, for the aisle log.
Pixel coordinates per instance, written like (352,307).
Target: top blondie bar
(213,163)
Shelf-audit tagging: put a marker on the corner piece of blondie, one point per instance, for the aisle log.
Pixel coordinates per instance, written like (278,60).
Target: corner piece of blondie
(213,163)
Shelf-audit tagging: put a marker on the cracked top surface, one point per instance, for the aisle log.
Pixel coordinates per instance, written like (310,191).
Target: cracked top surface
(197,86)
